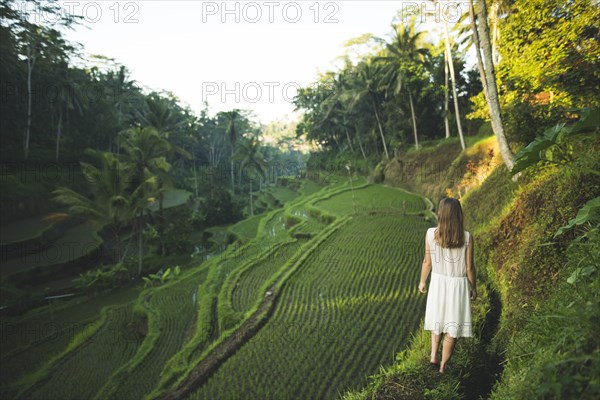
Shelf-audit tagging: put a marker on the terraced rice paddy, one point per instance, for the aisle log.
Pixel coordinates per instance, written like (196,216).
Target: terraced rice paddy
(348,309)
(49,332)
(344,261)
(113,345)
(77,242)
(247,287)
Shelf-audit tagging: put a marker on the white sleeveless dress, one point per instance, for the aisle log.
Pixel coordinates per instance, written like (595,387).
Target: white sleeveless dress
(448,307)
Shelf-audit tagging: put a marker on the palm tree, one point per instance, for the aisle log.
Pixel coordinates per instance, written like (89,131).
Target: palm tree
(497,8)
(160,114)
(146,150)
(232,134)
(119,83)
(140,199)
(251,159)
(481,40)
(453,77)
(35,42)
(113,201)
(368,87)
(406,53)
(69,97)
(335,105)
(446,123)
(109,202)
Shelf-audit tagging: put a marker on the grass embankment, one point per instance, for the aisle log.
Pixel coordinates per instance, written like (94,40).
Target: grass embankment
(530,321)
(441,165)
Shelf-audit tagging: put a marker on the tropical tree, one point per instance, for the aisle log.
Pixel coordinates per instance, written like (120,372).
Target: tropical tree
(481,40)
(232,133)
(34,42)
(120,87)
(406,54)
(315,122)
(450,64)
(252,161)
(139,201)
(157,114)
(446,122)
(147,151)
(367,87)
(334,104)
(109,203)
(69,97)
(211,141)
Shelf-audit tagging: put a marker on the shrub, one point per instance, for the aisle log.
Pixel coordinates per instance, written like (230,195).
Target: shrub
(102,279)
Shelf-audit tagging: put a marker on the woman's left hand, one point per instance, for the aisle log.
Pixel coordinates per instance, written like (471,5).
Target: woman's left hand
(422,287)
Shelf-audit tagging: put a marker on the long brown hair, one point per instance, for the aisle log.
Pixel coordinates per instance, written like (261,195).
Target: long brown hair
(450,231)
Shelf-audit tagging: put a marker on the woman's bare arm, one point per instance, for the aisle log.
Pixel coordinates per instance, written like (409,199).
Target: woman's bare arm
(425,268)
(471,268)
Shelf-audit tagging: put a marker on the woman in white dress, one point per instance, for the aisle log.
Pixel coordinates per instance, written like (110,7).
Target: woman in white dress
(449,258)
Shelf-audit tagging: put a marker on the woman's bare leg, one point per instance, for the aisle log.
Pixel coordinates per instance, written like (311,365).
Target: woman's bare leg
(447,349)
(435,345)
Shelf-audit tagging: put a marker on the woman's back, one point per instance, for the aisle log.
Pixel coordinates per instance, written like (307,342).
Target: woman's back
(446,261)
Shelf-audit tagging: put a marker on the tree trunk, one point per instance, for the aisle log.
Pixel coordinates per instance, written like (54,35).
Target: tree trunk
(161,223)
(251,204)
(140,244)
(478,51)
(117,237)
(195,174)
(58,133)
(446,123)
(30,65)
(119,113)
(349,141)
(362,150)
(490,78)
(495,31)
(232,174)
(453,77)
(387,156)
(414,120)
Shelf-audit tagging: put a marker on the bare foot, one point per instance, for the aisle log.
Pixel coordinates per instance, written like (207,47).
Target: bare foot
(442,368)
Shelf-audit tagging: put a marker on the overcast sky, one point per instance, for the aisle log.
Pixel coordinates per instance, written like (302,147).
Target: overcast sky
(234,54)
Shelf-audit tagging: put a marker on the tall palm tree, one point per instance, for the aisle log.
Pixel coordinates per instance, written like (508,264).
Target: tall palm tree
(335,106)
(120,84)
(251,160)
(405,54)
(36,42)
(446,123)
(232,135)
(481,40)
(160,114)
(69,97)
(453,77)
(139,201)
(367,87)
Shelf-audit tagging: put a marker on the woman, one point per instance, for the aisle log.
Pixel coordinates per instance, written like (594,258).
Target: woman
(449,252)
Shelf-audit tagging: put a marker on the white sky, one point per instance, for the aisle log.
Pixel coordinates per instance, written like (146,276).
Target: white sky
(185,47)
